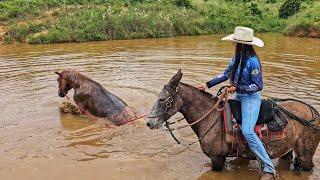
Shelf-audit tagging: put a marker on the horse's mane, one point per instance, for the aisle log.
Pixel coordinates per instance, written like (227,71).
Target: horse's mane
(83,81)
(204,93)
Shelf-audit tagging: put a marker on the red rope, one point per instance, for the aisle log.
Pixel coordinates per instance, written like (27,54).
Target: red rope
(134,119)
(96,118)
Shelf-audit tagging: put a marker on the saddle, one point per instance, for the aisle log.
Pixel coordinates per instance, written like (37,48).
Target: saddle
(265,114)
(270,121)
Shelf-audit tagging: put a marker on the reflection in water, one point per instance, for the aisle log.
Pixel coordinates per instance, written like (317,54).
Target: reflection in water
(72,123)
(248,170)
(37,141)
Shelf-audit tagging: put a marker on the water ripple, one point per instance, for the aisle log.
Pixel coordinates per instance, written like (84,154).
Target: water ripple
(135,71)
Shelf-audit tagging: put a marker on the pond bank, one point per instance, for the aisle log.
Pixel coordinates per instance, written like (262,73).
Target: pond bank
(54,21)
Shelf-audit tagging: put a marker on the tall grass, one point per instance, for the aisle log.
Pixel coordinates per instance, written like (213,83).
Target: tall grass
(95,20)
(143,21)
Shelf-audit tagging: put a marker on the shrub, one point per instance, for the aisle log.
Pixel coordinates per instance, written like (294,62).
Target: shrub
(255,10)
(289,8)
(183,3)
(305,24)
(19,9)
(21,32)
(238,0)
(271,1)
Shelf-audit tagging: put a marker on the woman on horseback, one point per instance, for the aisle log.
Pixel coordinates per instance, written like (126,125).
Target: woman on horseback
(244,72)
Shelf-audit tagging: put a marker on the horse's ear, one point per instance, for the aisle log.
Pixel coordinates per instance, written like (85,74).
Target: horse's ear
(58,73)
(175,80)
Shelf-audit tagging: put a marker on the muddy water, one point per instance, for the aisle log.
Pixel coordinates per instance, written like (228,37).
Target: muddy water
(38,142)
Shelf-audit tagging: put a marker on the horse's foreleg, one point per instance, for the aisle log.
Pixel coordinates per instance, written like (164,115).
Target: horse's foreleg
(287,157)
(217,162)
(303,162)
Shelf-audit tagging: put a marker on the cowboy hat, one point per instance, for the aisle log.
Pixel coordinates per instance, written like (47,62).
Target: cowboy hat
(244,35)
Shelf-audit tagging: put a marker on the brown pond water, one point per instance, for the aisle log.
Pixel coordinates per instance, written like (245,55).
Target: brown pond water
(38,142)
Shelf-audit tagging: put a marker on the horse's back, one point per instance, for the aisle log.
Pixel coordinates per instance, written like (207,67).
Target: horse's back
(297,108)
(105,102)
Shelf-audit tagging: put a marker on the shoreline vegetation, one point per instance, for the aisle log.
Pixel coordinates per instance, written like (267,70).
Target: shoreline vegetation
(59,21)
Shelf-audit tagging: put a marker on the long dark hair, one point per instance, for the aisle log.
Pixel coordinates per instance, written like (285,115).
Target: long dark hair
(243,52)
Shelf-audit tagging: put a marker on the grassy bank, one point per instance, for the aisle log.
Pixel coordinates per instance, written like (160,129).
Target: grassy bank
(306,23)
(55,21)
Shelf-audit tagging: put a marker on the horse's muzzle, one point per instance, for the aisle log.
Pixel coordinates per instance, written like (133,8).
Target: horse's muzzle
(61,94)
(152,124)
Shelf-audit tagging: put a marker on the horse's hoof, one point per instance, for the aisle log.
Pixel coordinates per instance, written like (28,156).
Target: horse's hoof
(217,168)
(267,176)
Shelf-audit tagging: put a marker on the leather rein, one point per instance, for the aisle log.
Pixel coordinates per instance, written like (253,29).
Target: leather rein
(223,96)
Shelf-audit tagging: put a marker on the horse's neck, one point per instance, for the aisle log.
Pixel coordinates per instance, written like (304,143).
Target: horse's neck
(85,86)
(195,105)
(80,82)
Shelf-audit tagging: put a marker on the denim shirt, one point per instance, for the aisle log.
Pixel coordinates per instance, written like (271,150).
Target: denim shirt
(251,76)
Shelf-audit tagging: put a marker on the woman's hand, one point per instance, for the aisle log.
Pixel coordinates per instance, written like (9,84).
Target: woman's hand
(202,86)
(231,89)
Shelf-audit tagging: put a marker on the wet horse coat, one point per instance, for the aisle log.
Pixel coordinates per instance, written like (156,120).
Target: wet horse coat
(193,103)
(92,97)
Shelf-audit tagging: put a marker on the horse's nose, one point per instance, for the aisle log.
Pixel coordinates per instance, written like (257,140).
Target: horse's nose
(148,124)
(61,94)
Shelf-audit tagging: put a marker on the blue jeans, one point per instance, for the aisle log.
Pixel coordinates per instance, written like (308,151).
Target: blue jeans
(250,107)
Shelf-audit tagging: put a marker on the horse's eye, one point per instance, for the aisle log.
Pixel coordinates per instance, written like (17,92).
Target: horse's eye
(161,100)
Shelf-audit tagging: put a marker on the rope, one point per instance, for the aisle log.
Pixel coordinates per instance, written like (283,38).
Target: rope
(134,119)
(198,140)
(221,97)
(177,121)
(83,110)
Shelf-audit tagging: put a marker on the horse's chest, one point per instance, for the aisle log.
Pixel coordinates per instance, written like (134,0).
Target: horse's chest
(80,98)
(210,147)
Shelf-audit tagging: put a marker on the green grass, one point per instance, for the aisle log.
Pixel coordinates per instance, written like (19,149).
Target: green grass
(96,20)
(306,23)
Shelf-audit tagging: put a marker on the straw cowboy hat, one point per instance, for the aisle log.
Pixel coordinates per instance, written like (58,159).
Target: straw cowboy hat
(244,35)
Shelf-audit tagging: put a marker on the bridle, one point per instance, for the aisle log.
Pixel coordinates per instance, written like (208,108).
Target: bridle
(164,110)
(223,96)
(169,102)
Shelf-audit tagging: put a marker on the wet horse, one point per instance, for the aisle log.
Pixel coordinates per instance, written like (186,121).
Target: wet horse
(91,97)
(193,104)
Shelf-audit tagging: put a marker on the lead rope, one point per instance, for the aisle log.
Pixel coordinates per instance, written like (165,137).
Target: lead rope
(83,111)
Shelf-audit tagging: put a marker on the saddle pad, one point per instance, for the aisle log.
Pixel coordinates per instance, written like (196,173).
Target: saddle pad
(265,113)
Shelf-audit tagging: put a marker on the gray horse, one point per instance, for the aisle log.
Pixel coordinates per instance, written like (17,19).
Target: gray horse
(193,104)
(92,97)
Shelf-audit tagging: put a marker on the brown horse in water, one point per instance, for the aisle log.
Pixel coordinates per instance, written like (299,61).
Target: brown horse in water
(193,104)
(93,98)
